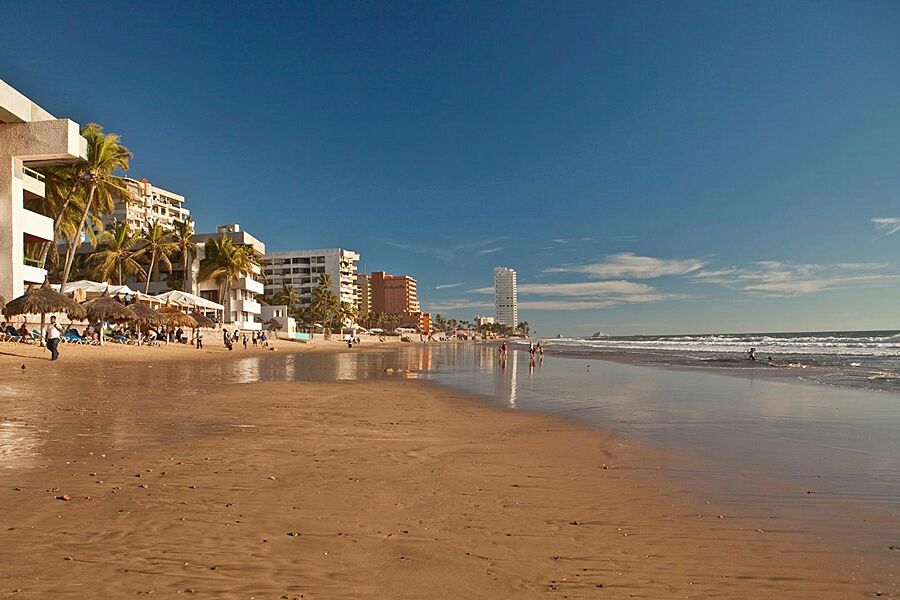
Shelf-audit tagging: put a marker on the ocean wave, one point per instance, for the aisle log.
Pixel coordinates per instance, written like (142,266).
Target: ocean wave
(884,344)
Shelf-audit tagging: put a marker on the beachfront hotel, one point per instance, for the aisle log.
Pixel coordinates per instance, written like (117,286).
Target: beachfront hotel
(29,137)
(506,301)
(393,294)
(302,268)
(363,294)
(242,311)
(147,203)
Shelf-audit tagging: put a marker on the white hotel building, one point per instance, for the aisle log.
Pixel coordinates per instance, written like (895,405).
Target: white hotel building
(29,137)
(148,203)
(242,311)
(302,268)
(506,300)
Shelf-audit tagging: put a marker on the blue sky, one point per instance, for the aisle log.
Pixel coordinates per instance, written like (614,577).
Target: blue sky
(646,167)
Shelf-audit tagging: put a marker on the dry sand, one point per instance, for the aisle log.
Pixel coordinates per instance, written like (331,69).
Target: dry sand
(377,489)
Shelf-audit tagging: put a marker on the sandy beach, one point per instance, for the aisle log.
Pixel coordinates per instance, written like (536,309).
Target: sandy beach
(388,488)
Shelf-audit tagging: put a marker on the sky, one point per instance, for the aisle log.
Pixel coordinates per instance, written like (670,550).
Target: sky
(646,167)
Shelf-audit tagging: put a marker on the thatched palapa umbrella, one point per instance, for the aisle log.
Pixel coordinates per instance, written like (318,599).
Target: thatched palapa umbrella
(144,316)
(202,320)
(105,308)
(273,325)
(41,301)
(175,318)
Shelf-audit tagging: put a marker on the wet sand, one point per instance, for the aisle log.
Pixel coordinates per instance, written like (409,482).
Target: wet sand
(374,489)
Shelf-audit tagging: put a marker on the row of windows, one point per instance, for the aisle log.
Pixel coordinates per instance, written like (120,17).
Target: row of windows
(301,260)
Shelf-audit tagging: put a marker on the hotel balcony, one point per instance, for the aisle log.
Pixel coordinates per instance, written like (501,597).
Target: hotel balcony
(32,272)
(33,183)
(37,228)
(248,306)
(251,285)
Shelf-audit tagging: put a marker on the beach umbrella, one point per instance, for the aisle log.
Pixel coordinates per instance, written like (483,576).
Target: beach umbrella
(202,320)
(273,325)
(175,318)
(41,301)
(105,308)
(144,315)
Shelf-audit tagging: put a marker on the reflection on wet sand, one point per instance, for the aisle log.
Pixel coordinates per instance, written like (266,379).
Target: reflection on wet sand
(759,443)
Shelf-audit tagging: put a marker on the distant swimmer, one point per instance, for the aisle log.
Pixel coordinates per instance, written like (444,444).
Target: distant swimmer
(751,354)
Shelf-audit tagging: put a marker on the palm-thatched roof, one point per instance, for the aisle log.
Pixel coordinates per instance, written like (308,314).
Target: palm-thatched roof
(145,315)
(175,318)
(105,308)
(202,320)
(273,324)
(38,301)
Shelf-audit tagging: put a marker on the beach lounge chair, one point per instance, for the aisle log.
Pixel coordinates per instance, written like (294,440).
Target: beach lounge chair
(12,334)
(72,337)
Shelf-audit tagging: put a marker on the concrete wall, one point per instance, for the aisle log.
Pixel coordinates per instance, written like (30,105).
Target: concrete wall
(44,142)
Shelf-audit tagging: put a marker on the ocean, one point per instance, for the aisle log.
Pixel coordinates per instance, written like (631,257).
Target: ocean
(861,359)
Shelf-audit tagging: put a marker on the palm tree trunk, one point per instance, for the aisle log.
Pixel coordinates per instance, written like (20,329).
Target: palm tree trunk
(45,247)
(150,272)
(184,273)
(70,254)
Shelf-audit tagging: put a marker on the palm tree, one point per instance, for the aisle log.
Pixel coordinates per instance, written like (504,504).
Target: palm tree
(287,295)
(325,303)
(100,185)
(182,238)
(118,254)
(159,246)
(347,313)
(226,263)
(60,203)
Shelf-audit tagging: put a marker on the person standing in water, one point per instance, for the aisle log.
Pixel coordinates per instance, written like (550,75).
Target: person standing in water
(751,354)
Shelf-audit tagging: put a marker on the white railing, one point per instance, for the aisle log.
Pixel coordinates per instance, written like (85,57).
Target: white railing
(32,173)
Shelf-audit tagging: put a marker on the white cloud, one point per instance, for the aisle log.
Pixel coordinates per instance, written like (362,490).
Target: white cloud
(890,225)
(598,303)
(587,295)
(628,264)
(447,286)
(779,279)
(448,254)
(489,251)
(458,304)
(587,288)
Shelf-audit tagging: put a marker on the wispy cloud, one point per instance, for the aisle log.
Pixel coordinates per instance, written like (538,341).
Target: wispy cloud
(447,286)
(587,288)
(458,304)
(489,251)
(889,225)
(628,264)
(448,254)
(599,303)
(780,279)
(586,295)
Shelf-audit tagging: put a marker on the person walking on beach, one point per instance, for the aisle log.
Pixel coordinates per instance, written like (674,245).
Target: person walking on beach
(52,336)
(751,354)
(244,339)
(199,340)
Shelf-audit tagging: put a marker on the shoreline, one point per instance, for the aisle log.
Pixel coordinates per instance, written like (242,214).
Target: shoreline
(761,371)
(407,488)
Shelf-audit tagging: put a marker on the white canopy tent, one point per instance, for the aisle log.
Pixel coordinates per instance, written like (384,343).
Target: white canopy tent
(199,303)
(94,289)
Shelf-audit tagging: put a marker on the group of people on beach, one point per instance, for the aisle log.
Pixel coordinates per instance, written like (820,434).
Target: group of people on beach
(535,350)
(240,337)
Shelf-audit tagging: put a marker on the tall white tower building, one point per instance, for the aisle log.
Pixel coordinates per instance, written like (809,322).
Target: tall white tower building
(506,300)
